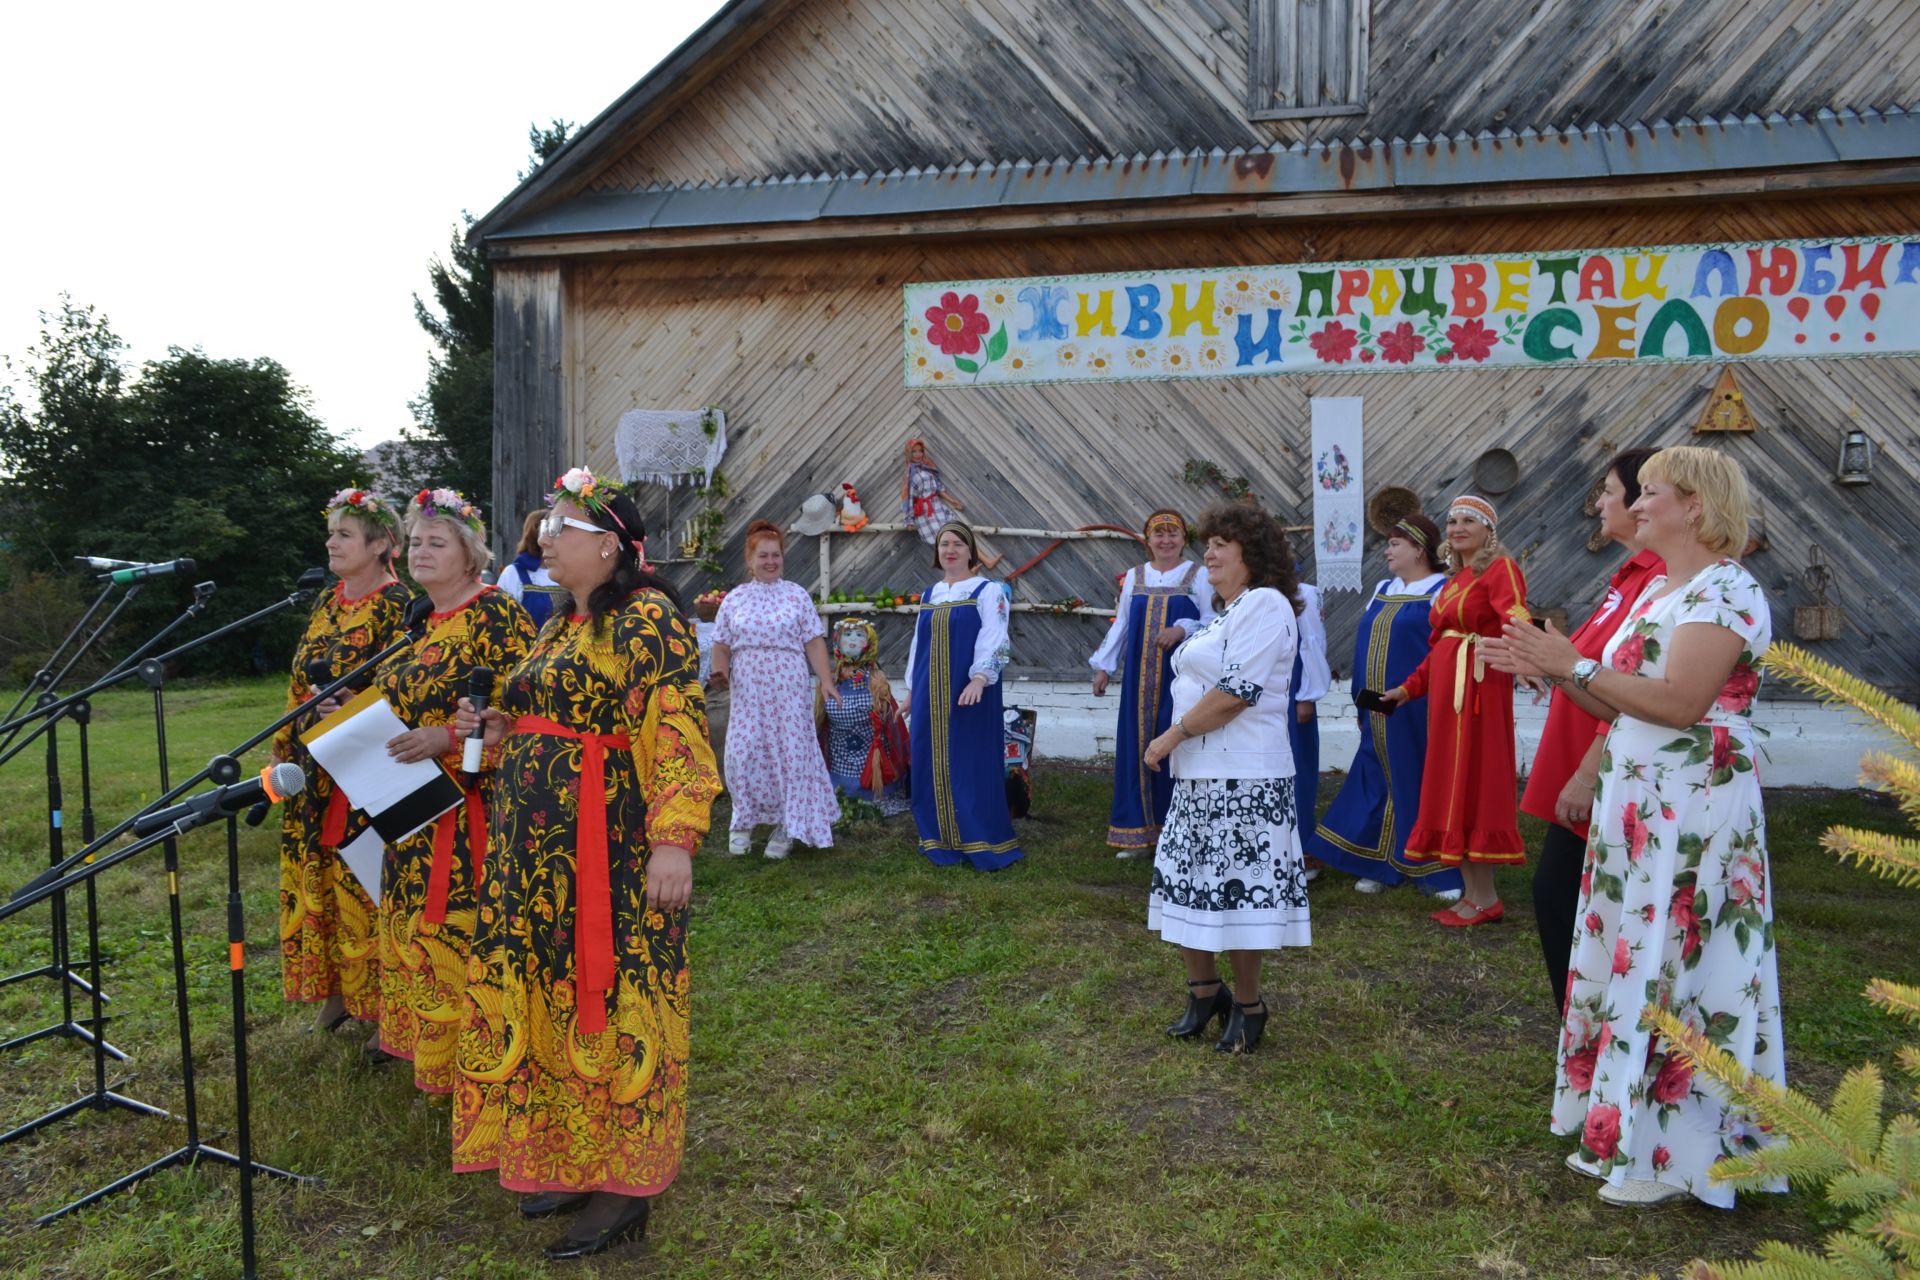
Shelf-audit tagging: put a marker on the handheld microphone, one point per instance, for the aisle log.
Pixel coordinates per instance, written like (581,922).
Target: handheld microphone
(142,572)
(479,689)
(102,562)
(275,783)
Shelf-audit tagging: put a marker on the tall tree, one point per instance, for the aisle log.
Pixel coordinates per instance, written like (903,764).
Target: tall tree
(218,460)
(451,442)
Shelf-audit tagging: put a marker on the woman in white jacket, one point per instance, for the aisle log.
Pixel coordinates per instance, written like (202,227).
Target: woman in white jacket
(1228,874)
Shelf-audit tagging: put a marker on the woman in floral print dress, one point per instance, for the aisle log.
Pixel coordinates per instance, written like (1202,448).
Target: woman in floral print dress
(1676,904)
(328,952)
(573,1056)
(427,894)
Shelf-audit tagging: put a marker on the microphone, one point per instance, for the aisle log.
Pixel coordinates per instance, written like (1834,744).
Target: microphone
(275,783)
(141,572)
(101,562)
(479,689)
(311,580)
(418,610)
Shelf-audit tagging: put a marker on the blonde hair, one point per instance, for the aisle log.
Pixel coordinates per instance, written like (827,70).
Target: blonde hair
(473,541)
(370,529)
(1721,485)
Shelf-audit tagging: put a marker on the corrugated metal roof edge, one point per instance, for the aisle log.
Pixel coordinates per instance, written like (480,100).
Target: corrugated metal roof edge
(1642,149)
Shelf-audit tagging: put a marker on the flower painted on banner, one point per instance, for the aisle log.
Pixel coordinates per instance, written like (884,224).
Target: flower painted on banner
(1400,344)
(1211,355)
(1737,695)
(1100,360)
(957,324)
(1601,1133)
(1140,355)
(1471,340)
(1177,360)
(1333,344)
(1067,356)
(1020,364)
(1674,1082)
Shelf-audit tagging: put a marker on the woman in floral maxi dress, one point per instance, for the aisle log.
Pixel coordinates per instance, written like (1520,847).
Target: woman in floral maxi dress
(1676,904)
(765,638)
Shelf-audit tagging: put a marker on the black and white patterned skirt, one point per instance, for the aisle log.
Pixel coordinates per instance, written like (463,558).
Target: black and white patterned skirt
(1227,874)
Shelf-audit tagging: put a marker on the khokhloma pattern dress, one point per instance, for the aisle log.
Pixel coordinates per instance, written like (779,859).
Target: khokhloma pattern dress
(775,773)
(573,1055)
(426,898)
(327,936)
(1676,910)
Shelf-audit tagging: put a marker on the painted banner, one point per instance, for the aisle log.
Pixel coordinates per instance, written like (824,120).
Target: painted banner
(1762,301)
(1339,512)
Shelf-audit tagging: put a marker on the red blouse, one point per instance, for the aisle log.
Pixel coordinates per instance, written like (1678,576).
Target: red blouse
(1569,730)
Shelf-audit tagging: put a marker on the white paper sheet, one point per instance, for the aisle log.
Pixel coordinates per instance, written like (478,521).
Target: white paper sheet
(364,855)
(351,745)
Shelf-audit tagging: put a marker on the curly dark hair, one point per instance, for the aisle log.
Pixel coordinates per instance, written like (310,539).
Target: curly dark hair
(1263,545)
(628,577)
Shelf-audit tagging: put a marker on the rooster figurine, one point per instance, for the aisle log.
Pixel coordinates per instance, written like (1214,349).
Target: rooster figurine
(852,518)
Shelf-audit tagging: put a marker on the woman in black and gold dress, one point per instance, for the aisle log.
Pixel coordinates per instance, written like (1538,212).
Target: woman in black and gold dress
(427,887)
(328,952)
(573,1057)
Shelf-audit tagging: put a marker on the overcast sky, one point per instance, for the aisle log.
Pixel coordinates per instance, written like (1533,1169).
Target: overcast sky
(272,180)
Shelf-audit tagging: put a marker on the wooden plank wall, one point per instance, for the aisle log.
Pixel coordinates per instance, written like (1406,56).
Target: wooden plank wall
(530,392)
(803,351)
(845,85)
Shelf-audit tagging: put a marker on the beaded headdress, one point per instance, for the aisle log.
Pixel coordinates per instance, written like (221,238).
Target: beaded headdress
(1474,508)
(1412,533)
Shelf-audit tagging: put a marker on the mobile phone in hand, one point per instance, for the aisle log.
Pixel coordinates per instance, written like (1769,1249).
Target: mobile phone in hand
(1375,701)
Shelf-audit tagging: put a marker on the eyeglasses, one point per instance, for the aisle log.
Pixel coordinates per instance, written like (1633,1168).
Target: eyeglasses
(555,523)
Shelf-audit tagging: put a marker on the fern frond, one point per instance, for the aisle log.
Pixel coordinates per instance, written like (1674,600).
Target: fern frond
(1797,1117)
(1908,1060)
(1896,998)
(1856,1102)
(1895,777)
(1835,684)
(1895,858)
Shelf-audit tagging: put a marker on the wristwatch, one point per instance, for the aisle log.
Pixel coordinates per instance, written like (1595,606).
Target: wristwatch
(1585,670)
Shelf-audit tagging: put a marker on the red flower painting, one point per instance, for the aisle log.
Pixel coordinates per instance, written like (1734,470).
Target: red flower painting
(1400,344)
(1471,340)
(956,325)
(1333,344)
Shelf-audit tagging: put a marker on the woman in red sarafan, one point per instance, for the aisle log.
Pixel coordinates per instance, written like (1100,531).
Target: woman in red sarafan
(1468,815)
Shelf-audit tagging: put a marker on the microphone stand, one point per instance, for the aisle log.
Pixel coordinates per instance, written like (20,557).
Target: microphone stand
(45,678)
(50,713)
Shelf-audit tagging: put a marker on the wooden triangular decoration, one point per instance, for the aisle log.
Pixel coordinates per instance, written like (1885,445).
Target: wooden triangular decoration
(1726,408)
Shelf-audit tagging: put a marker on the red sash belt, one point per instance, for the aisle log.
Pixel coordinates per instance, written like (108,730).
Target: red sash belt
(923,506)
(592,881)
(442,873)
(333,823)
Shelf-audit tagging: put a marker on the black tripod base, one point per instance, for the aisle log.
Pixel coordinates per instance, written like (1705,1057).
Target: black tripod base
(189,1156)
(95,1102)
(77,1030)
(58,971)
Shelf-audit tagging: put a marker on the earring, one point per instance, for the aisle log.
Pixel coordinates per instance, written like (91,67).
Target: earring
(605,554)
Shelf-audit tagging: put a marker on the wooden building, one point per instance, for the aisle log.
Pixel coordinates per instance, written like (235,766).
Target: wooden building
(738,229)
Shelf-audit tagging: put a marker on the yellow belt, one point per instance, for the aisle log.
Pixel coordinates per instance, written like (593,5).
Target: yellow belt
(1469,642)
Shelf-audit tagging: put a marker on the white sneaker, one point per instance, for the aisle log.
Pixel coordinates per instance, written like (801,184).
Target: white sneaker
(1312,874)
(1639,1193)
(779,844)
(1129,853)
(1581,1167)
(1369,886)
(1447,895)
(738,842)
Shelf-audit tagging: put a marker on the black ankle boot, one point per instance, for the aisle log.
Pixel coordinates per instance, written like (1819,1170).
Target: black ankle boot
(1244,1028)
(1202,1010)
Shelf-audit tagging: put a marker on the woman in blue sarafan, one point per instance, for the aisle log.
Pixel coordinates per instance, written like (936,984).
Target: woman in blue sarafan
(959,649)
(1161,603)
(1364,832)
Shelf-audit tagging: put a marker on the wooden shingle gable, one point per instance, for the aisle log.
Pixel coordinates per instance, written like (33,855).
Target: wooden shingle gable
(1307,58)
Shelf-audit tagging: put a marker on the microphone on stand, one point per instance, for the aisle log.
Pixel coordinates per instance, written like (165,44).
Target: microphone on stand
(102,562)
(418,610)
(479,690)
(310,581)
(142,572)
(275,783)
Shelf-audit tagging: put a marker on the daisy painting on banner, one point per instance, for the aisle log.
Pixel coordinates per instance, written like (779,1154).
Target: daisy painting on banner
(1752,301)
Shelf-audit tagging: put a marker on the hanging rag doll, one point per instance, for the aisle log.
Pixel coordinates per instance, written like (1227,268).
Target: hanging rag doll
(863,738)
(922,502)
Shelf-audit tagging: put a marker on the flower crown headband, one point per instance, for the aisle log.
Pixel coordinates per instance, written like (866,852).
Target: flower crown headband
(595,496)
(364,504)
(433,504)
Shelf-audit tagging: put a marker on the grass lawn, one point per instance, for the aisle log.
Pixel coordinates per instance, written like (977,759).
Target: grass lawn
(901,1071)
